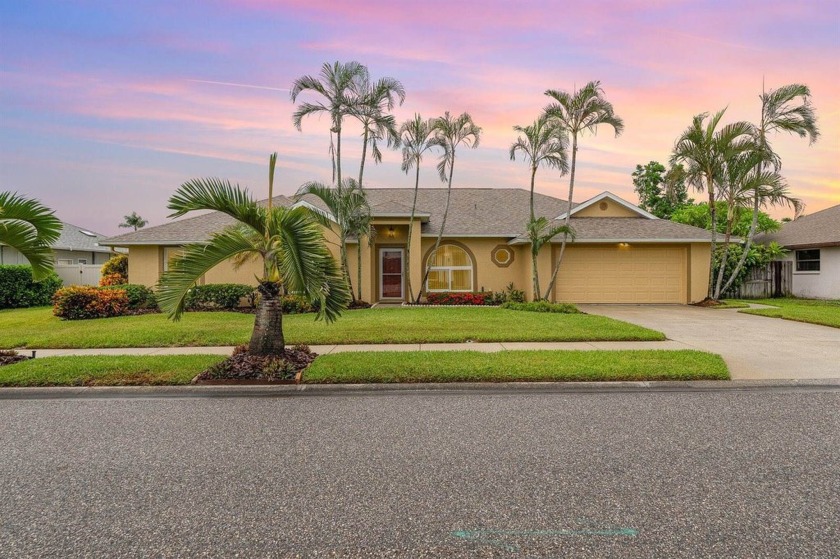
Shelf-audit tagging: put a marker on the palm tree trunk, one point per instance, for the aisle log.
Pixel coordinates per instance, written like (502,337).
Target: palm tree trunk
(747,245)
(442,226)
(359,267)
(713,214)
(267,336)
(364,154)
(338,152)
(533,176)
(567,220)
(729,219)
(534,268)
(410,232)
(344,265)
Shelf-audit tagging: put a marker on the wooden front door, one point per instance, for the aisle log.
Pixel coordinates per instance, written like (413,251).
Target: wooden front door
(391,273)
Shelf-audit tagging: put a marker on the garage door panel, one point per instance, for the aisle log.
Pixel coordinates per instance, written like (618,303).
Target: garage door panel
(610,274)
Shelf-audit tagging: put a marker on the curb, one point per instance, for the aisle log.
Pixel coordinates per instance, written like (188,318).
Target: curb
(292,390)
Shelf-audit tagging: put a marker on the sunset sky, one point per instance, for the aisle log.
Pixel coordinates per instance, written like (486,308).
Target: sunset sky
(107,107)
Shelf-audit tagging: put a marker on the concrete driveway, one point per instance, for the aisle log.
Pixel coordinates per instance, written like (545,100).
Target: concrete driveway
(754,347)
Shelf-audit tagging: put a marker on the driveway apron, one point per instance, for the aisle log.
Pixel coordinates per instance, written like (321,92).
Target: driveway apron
(754,347)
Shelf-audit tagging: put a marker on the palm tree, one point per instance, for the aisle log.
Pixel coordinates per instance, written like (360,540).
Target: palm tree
(31,228)
(780,112)
(289,243)
(540,232)
(338,85)
(544,142)
(371,107)
(449,134)
(577,113)
(416,137)
(704,150)
(134,221)
(347,205)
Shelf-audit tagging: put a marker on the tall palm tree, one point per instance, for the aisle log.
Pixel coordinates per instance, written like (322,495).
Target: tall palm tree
(134,221)
(31,228)
(450,132)
(288,242)
(372,104)
(577,113)
(416,137)
(704,150)
(348,205)
(544,143)
(338,85)
(787,109)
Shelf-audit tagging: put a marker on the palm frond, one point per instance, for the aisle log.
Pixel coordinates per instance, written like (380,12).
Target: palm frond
(217,195)
(47,227)
(23,237)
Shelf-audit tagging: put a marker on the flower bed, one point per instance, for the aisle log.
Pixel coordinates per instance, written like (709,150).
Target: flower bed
(463,299)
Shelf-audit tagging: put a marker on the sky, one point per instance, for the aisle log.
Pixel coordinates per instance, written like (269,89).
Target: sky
(107,107)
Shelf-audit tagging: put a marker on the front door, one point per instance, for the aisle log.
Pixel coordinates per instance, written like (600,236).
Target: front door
(391,273)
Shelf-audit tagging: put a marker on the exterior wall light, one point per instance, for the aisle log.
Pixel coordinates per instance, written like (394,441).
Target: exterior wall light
(392,232)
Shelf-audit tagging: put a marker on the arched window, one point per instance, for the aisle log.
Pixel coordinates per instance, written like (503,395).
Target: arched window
(451,270)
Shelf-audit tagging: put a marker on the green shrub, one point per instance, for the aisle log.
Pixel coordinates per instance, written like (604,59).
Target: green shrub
(115,266)
(17,290)
(80,302)
(140,297)
(217,296)
(511,294)
(295,304)
(541,306)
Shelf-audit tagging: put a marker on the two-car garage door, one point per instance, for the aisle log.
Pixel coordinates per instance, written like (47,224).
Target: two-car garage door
(622,274)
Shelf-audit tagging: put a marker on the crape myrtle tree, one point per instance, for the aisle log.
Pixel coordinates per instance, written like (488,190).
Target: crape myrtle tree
(288,243)
(579,112)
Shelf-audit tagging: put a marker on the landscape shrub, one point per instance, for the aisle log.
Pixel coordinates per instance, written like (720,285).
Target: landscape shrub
(18,290)
(295,304)
(140,297)
(109,280)
(512,294)
(447,298)
(80,302)
(217,296)
(116,265)
(541,306)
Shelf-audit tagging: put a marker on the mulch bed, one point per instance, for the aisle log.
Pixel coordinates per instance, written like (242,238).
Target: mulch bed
(11,357)
(707,302)
(242,368)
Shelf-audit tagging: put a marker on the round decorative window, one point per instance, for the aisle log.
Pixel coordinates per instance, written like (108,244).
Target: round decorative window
(502,256)
(603,206)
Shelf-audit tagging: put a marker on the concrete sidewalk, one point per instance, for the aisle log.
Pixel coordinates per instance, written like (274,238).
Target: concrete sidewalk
(327,349)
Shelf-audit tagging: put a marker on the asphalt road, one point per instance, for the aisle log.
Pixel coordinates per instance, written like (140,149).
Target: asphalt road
(676,474)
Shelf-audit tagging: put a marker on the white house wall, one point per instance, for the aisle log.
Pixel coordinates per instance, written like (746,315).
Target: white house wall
(10,256)
(824,284)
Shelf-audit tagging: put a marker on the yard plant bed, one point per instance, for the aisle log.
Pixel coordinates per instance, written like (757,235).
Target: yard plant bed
(9,357)
(513,366)
(241,368)
(38,328)
(814,311)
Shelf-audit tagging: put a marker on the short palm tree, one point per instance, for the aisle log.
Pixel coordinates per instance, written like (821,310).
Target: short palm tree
(348,206)
(338,85)
(134,221)
(577,113)
(416,137)
(450,132)
(542,143)
(704,149)
(787,109)
(31,228)
(288,242)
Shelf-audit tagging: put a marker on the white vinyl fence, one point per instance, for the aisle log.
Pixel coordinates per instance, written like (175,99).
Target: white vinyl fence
(78,274)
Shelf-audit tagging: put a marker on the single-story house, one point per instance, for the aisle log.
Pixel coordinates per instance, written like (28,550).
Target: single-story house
(621,253)
(814,244)
(76,245)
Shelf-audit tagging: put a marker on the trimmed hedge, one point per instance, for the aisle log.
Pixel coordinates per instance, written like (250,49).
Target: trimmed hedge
(216,296)
(17,290)
(140,297)
(541,306)
(448,298)
(80,302)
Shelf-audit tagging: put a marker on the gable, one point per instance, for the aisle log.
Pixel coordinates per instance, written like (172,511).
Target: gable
(606,208)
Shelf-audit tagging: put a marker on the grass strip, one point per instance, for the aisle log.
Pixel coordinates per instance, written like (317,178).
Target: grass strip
(508,366)
(106,370)
(813,311)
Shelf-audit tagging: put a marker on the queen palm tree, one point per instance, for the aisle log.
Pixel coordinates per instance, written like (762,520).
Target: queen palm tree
(787,109)
(416,137)
(31,228)
(577,113)
(348,207)
(704,150)
(134,221)
(544,143)
(338,85)
(288,242)
(449,133)
(371,106)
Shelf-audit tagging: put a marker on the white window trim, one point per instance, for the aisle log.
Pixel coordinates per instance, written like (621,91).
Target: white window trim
(796,261)
(449,270)
(382,252)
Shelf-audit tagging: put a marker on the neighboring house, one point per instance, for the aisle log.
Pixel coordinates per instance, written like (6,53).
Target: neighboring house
(621,253)
(814,244)
(75,246)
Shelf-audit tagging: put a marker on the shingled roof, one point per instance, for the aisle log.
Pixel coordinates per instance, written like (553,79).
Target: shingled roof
(74,237)
(818,229)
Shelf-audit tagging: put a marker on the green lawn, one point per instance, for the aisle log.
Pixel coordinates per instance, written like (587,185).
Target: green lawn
(38,328)
(815,311)
(106,370)
(508,366)
(391,366)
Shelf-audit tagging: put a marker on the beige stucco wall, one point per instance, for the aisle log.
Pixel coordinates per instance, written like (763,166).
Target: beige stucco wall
(612,209)
(698,272)
(144,265)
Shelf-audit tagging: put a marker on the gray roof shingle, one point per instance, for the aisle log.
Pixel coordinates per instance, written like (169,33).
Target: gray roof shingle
(629,229)
(77,238)
(817,229)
